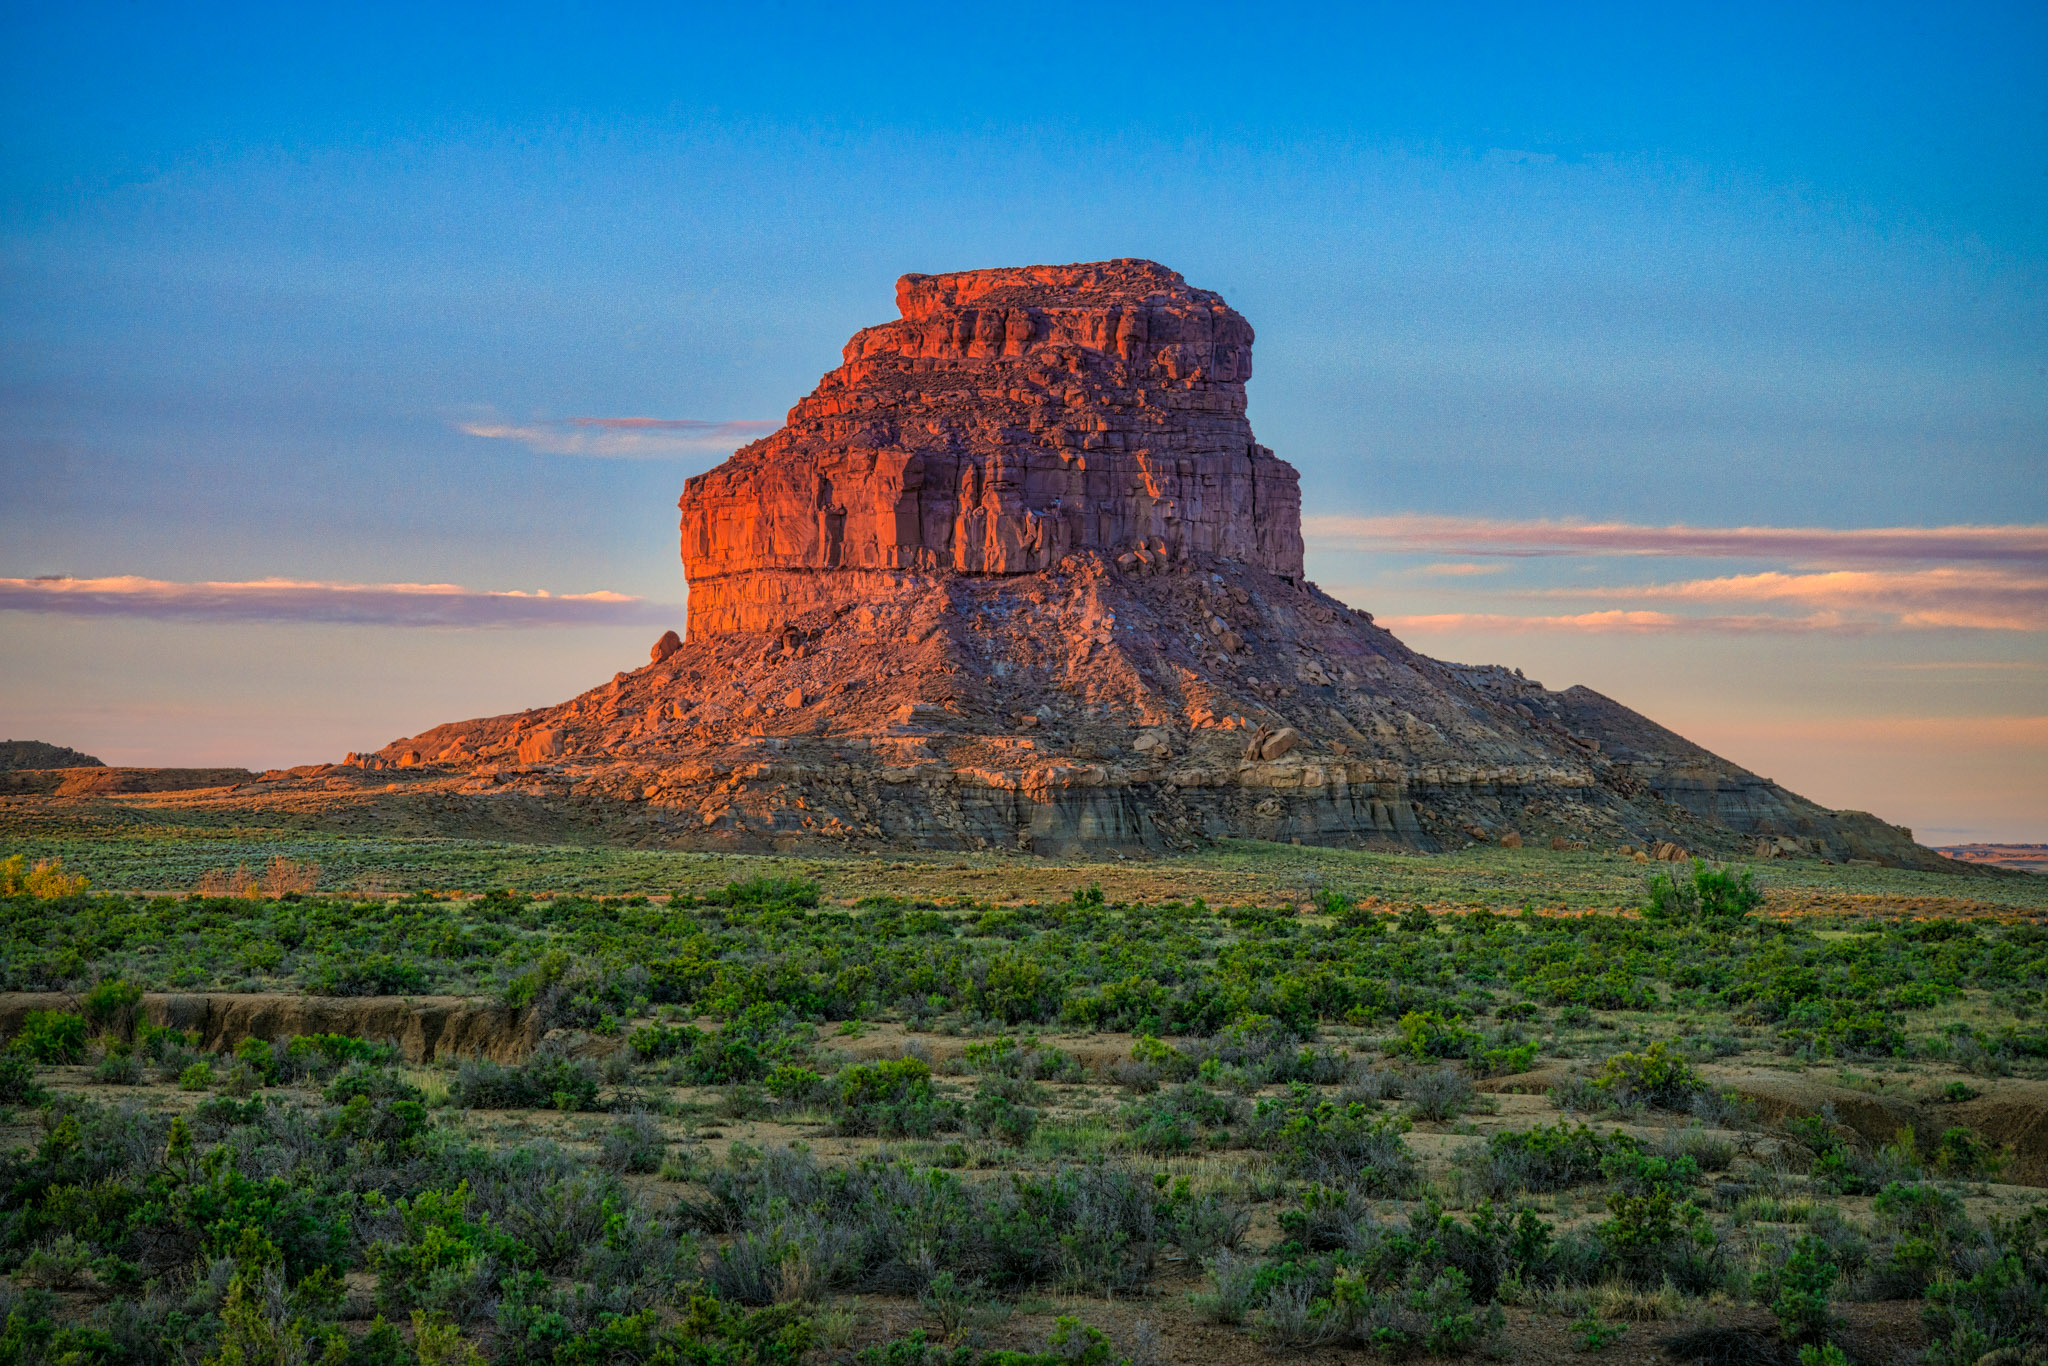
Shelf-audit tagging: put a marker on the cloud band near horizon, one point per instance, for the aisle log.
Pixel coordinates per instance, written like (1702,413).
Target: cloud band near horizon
(624,438)
(357,604)
(2026,544)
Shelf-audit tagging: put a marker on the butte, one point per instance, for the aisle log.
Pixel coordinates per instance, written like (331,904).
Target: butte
(1017,575)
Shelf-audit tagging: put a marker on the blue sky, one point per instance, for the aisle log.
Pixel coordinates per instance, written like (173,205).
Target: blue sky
(265,278)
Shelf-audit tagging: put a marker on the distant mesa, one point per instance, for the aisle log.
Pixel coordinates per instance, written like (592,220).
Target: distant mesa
(2025,858)
(1018,575)
(38,754)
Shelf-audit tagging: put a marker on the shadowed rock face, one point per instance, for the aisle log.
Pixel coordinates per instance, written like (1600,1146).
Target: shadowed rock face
(1007,420)
(1017,575)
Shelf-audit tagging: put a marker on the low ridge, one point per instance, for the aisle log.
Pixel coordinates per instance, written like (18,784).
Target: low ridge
(41,754)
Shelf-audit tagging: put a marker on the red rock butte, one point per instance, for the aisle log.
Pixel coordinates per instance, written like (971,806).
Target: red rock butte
(1017,575)
(1007,420)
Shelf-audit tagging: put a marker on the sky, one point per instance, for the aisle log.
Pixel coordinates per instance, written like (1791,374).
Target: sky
(352,359)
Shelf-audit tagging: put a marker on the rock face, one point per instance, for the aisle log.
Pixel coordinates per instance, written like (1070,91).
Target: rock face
(1017,575)
(1007,420)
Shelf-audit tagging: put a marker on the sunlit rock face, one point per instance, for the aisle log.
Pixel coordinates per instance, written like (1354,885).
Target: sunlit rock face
(1006,420)
(1017,576)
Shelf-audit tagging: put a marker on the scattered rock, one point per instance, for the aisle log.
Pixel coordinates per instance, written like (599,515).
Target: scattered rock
(1511,840)
(669,643)
(1280,742)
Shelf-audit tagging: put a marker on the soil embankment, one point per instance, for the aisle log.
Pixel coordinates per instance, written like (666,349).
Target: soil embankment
(424,1028)
(2011,1114)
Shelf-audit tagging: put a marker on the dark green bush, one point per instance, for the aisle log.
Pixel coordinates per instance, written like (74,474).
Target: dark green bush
(110,1004)
(1545,1159)
(541,1082)
(51,1036)
(1323,1141)
(894,1099)
(18,1085)
(1660,1076)
(1800,1290)
(1714,895)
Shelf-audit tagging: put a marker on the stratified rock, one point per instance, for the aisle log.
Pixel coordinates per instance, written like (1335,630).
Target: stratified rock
(1008,419)
(1017,575)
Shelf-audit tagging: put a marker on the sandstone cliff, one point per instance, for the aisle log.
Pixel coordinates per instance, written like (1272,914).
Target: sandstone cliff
(1008,419)
(1018,575)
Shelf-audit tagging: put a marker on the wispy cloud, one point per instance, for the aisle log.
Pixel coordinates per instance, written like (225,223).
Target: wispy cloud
(2000,733)
(1978,597)
(294,600)
(623,438)
(1805,545)
(1615,622)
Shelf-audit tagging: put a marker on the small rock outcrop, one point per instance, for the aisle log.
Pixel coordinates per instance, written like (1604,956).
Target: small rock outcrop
(1018,575)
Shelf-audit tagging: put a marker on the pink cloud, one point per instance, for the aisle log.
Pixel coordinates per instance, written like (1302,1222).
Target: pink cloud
(292,600)
(1985,598)
(1613,622)
(1828,545)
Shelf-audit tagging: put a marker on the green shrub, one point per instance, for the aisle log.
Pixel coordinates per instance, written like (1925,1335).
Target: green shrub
(1963,1154)
(1175,1121)
(1800,1290)
(1000,1112)
(110,1004)
(1545,1159)
(749,1047)
(794,1082)
(321,1055)
(1660,1076)
(159,1043)
(894,1099)
(442,1249)
(51,1036)
(1653,1237)
(376,974)
(1321,1140)
(260,1057)
(1426,1034)
(1997,1299)
(18,1085)
(544,1081)
(1713,895)
(197,1077)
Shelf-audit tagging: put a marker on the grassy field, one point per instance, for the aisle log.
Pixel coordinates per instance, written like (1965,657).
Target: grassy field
(1250,1105)
(173,858)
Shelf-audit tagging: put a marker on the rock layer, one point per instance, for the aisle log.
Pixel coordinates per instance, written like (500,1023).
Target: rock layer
(1008,419)
(1017,575)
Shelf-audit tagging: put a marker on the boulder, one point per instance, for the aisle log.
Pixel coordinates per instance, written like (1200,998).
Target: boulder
(1279,742)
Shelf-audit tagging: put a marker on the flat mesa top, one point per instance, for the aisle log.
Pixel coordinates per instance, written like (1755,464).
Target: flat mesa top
(1126,281)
